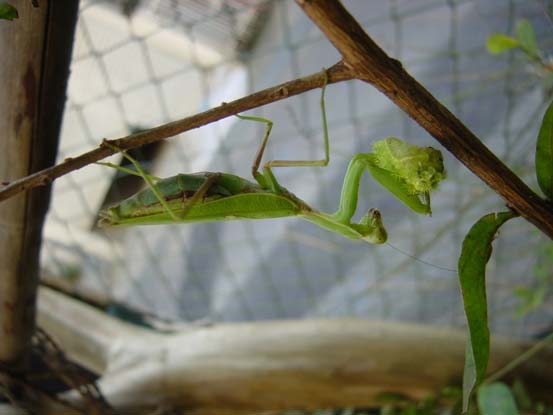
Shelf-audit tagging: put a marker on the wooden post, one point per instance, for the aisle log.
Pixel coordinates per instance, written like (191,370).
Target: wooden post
(34,66)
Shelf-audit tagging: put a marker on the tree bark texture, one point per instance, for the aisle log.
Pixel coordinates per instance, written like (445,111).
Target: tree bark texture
(36,52)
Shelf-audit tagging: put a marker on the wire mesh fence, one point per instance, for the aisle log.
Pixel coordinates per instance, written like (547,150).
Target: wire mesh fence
(139,64)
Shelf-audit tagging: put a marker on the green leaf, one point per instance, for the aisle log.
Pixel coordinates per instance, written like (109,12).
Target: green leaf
(527,37)
(476,251)
(496,399)
(499,43)
(8,12)
(544,154)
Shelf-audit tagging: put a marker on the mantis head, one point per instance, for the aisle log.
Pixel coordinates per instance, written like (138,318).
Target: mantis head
(372,228)
(419,168)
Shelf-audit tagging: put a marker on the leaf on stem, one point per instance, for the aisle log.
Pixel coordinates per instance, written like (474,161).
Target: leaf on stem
(476,251)
(499,43)
(544,154)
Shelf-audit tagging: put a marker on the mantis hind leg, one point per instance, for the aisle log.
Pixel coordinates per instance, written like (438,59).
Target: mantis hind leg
(141,173)
(127,170)
(267,179)
(210,180)
(199,194)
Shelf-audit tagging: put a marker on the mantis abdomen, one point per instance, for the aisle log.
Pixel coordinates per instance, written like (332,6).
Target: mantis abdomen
(227,197)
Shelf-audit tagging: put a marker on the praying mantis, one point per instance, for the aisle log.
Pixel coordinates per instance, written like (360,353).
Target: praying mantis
(409,172)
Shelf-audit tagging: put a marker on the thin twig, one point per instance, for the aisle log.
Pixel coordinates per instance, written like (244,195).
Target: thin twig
(338,72)
(520,359)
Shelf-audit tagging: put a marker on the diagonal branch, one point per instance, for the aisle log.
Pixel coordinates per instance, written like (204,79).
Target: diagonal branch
(371,64)
(338,72)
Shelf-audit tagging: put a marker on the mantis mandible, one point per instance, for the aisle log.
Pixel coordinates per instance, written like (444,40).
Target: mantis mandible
(409,172)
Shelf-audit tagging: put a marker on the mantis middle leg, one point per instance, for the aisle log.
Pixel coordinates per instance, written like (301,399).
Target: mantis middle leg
(267,178)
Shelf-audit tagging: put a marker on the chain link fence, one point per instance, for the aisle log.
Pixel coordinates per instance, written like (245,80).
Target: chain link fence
(138,64)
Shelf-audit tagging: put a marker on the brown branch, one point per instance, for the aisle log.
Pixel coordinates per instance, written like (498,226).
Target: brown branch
(336,73)
(371,64)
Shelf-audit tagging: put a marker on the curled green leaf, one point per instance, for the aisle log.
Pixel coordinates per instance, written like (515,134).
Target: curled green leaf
(8,12)
(499,43)
(476,251)
(544,154)
(496,399)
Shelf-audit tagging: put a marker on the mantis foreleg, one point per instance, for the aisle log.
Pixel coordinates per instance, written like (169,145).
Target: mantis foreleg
(200,193)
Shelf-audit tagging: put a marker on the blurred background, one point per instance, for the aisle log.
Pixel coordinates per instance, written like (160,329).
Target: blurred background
(137,64)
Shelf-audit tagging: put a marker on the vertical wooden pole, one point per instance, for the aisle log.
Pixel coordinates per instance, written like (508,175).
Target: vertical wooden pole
(35,52)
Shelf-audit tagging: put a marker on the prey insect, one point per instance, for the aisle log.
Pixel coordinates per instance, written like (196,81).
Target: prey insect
(409,172)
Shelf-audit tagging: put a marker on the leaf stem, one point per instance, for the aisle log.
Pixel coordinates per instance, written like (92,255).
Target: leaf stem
(520,359)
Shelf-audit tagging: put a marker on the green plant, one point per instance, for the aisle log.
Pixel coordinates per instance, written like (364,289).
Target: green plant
(477,246)
(524,41)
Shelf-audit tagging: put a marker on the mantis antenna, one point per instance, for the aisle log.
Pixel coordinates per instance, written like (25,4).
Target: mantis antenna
(422,261)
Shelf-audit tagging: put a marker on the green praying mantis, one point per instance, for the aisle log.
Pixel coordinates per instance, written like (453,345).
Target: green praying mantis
(409,172)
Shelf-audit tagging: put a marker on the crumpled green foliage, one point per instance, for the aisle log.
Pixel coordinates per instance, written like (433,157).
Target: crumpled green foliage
(420,168)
